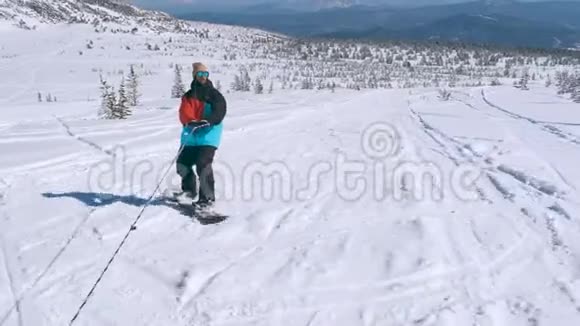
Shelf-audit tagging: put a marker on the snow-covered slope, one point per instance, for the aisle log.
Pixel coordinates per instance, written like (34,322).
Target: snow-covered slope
(31,13)
(371,207)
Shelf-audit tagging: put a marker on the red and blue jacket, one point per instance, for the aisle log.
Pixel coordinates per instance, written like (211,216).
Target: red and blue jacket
(202,102)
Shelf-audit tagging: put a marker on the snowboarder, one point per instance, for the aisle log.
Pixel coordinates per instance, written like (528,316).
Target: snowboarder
(201,113)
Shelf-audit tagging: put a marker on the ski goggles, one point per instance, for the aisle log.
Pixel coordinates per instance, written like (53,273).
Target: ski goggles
(202,74)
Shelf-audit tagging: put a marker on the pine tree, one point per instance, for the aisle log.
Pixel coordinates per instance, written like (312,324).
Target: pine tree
(576,91)
(271,88)
(39,97)
(576,95)
(258,87)
(307,84)
(562,81)
(133,87)
(495,82)
(246,81)
(523,84)
(561,77)
(178,88)
(111,104)
(104,111)
(548,81)
(237,83)
(444,94)
(122,110)
(452,81)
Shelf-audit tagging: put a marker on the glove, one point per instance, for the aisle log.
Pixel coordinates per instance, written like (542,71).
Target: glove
(198,124)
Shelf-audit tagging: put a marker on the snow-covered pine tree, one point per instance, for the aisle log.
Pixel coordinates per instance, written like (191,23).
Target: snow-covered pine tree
(111,103)
(133,87)
(561,81)
(495,82)
(258,87)
(548,81)
(246,81)
(435,81)
(444,95)
(106,109)
(307,84)
(576,94)
(178,88)
(104,112)
(523,83)
(122,110)
(271,88)
(576,88)
(451,83)
(565,82)
(237,83)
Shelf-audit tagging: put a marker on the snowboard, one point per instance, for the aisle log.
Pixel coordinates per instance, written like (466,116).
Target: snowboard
(189,208)
(206,217)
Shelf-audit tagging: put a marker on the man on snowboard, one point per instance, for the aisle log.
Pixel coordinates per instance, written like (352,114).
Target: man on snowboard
(201,113)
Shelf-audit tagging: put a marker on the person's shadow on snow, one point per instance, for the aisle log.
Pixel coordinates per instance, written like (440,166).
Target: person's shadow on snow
(93,199)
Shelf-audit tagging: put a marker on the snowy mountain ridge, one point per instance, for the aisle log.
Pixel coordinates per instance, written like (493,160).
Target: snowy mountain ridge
(498,2)
(326,4)
(28,14)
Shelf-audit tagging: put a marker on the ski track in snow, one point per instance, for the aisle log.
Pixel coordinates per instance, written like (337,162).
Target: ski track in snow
(189,298)
(573,139)
(408,289)
(528,181)
(541,186)
(83,140)
(435,134)
(12,288)
(520,175)
(565,253)
(52,262)
(457,152)
(537,186)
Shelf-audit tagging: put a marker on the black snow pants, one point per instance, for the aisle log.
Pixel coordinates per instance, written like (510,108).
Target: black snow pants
(202,158)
